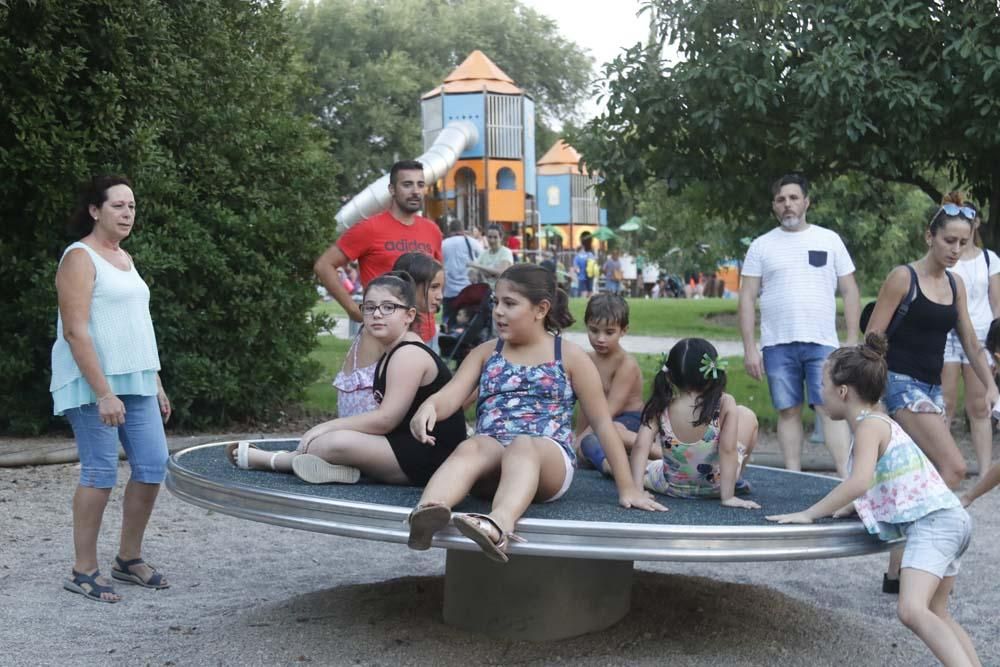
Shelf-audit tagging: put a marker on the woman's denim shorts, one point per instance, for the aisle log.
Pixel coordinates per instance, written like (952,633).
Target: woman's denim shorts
(935,542)
(141,436)
(904,392)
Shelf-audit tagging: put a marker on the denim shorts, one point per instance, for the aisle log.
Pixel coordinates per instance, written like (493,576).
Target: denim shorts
(904,392)
(141,436)
(935,543)
(790,365)
(954,353)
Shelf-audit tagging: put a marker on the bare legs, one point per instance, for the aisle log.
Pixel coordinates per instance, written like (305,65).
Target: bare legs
(923,608)
(837,435)
(790,436)
(88,512)
(529,469)
(976,408)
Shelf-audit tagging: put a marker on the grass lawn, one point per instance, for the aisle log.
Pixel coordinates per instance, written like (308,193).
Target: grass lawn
(321,397)
(714,319)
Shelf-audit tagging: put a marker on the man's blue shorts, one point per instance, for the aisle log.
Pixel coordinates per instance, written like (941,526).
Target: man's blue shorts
(790,365)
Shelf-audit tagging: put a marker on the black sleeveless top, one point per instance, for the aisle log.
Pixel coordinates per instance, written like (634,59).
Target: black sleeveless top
(916,347)
(417,460)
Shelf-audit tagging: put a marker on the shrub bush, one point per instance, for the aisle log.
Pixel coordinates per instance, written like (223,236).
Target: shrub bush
(196,102)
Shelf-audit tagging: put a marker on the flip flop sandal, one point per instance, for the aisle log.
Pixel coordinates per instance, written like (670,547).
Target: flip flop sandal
(87,586)
(242,449)
(425,520)
(474,526)
(122,571)
(314,470)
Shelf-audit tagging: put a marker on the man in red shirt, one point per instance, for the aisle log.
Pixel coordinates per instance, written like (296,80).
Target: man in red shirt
(378,241)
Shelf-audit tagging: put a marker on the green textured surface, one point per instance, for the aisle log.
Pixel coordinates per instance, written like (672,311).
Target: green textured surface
(590,498)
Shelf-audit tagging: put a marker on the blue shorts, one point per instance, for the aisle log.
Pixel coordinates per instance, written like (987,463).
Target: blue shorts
(904,392)
(586,284)
(141,435)
(788,366)
(935,543)
(630,420)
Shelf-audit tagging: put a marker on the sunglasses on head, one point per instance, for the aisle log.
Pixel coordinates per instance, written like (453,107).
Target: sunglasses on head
(953,210)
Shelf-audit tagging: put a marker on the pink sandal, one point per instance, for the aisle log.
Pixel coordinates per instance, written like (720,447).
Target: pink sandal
(477,528)
(425,521)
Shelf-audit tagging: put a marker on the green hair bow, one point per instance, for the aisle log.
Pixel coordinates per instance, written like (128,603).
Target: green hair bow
(710,366)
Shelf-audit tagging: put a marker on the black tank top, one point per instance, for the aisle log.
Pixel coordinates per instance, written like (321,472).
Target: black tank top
(454,424)
(916,348)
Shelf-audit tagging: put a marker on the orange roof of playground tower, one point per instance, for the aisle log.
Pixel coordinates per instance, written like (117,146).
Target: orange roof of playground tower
(475,74)
(560,159)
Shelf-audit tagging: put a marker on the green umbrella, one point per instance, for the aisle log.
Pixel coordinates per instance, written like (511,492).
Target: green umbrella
(549,231)
(632,225)
(604,233)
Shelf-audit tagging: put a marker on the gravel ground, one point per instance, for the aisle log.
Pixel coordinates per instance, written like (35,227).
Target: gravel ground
(246,593)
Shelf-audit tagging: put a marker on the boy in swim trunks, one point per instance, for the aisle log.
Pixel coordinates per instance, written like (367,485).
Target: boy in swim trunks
(606,319)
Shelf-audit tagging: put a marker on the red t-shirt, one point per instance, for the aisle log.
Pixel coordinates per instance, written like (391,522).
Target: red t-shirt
(514,243)
(378,241)
(426,327)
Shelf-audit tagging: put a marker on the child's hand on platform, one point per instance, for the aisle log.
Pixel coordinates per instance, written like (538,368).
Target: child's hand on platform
(740,503)
(846,510)
(639,500)
(423,423)
(796,517)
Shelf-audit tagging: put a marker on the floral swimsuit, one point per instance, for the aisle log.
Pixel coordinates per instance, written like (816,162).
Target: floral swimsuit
(690,469)
(526,400)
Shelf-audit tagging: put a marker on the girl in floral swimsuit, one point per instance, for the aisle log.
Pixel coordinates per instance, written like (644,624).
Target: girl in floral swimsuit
(528,380)
(705,437)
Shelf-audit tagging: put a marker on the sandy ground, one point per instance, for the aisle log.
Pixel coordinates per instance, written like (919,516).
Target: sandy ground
(246,593)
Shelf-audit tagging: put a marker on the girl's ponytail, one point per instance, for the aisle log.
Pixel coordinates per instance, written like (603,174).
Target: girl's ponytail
(660,398)
(559,317)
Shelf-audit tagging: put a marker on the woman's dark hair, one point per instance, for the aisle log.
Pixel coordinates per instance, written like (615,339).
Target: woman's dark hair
(537,284)
(940,218)
(400,284)
(862,367)
(993,337)
(682,371)
(93,193)
(421,269)
(494,227)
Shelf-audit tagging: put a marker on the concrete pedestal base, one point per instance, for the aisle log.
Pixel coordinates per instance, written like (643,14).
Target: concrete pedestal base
(535,598)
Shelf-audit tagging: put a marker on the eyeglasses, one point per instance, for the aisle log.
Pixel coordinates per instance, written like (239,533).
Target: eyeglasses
(387,308)
(953,210)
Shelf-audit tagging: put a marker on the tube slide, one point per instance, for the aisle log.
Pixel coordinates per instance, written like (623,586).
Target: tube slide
(437,160)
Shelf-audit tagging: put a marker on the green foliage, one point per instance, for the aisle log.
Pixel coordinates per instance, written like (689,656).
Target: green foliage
(373,59)
(195,102)
(898,91)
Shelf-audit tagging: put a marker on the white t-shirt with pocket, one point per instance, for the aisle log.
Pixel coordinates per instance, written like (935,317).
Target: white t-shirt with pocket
(799,273)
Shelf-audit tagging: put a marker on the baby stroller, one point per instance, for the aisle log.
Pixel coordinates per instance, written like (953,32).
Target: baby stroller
(470,322)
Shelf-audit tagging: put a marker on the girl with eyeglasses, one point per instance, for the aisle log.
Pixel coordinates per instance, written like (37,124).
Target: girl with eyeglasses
(377,443)
(939,304)
(528,381)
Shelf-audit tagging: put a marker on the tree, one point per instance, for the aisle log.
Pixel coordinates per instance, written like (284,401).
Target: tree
(372,60)
(195,102)
(898,91)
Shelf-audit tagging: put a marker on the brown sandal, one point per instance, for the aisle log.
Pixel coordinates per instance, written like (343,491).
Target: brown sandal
(425,521)
(476,528)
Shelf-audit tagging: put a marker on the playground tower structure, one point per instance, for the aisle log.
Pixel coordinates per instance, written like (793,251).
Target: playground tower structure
(567,202)
(493,179)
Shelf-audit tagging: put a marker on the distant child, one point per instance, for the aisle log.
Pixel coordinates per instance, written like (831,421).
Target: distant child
(896,491)
(705,437)
(606,319)
(529,379)
(990,477)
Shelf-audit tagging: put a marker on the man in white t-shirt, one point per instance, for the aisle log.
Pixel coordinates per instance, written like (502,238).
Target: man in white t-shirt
(458,250)
(797,268)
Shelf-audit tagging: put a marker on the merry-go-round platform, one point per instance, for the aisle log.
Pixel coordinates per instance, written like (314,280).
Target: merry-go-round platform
(573,573)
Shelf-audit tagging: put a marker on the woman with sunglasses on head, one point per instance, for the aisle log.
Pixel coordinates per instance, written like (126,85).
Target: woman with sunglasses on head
(377,443)
(979,269)
(917,344)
